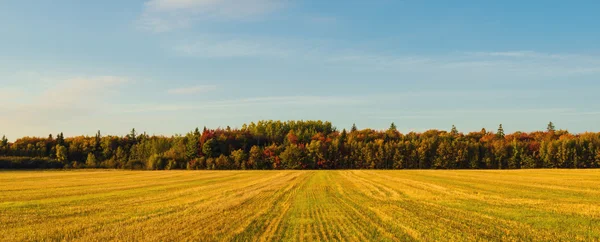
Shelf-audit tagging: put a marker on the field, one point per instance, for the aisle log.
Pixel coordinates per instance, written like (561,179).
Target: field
(357,205)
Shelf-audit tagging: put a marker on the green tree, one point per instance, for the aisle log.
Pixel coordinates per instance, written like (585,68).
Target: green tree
(550,128)
(239,158)
(90,162)
(120,157)
(132,136)
(4,141)
(210,147)
(354,129)
(292,157)
(500,133)
(255,158)
(191,147)
(393,127)
(61,153)
(197,133)
(60,139)
(454,131)
(156,162)
(4,146)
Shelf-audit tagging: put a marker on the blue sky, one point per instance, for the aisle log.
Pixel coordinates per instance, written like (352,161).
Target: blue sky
(168,66)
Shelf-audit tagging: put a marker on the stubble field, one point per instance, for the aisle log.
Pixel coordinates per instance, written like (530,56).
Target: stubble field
(354,205)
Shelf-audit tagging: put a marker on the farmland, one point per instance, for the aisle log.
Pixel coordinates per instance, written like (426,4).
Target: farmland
(355,205)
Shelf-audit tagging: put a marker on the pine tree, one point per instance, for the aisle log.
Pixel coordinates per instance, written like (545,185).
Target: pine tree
(133,135)
(197,133)
(500,133)
(454,131)
(354,129)
(60,139)
(4,145)
(4,141)
(550,128)
(343,137)
(393,127)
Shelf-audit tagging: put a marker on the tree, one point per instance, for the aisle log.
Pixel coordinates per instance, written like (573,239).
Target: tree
(255,159)
(121,157)
(239,159)
(191,147)
(292,157)
(4,141)
(60,139)
(500,133)
(393,127)
(454,131)
(550,128)
(223,162)
(90,162)
(354,129)
(61,153)
(98,143)
(197,133)
(132,135)
(210,147)
(4,146)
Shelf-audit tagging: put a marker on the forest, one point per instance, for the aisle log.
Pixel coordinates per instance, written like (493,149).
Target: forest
(307,145)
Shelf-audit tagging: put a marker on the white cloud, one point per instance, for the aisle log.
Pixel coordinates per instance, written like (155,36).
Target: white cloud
(61,99)
(166,15)
(233,47)
(508,54)
(75,91)
(257,102)
(322,20)
(192,90)
(455,66)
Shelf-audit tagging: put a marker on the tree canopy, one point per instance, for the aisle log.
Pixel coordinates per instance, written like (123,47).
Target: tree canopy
(308,145)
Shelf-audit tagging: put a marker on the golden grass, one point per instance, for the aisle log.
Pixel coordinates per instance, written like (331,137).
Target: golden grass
(359,205)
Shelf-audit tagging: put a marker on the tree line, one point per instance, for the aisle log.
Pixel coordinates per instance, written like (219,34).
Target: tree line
(307,145)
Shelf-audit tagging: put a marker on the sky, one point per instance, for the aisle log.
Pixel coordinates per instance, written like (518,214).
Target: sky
(168,66)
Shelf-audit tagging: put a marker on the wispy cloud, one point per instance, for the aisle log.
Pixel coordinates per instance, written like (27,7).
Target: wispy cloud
(63,99)
(256,102)
(507,54)
(326,20)
(212,47)
(167,15)
(483,66)
(192,90)
(74,91)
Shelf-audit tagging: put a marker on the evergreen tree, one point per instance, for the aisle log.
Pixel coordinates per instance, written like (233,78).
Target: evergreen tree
(343,137)
(550,128)
(454,131)
(191,147)
(500,133)
(4,141)
(197,133)
(4,146)
(393,127)
(133,135)
(209,149)
(60,139)
(354,129)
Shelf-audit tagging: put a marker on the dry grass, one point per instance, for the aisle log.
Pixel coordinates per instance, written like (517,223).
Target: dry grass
(300,205)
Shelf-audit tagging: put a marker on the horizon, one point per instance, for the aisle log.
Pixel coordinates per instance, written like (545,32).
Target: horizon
(337,129)
(163,66)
